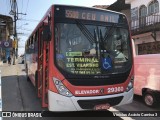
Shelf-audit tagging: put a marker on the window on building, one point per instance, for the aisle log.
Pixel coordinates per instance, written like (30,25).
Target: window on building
(143,11)
(142,15)
(153,7)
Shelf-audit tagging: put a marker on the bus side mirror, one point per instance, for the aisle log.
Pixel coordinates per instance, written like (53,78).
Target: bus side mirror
(46,34)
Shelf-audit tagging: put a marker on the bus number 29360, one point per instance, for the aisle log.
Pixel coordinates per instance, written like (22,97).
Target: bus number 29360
(115,89)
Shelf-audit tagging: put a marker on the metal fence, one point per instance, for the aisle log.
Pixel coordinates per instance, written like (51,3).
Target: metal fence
(144,22)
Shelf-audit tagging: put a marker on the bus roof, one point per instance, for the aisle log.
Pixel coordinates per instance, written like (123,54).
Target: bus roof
(83,7)
(93,8)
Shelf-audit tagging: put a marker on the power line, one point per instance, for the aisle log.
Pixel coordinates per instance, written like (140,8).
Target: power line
(22,7)
(30,20)
(22,11)
(21,22)
(27,6)
(25,29)
(7,4)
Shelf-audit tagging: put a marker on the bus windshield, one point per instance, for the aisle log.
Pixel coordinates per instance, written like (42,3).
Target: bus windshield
(92,49)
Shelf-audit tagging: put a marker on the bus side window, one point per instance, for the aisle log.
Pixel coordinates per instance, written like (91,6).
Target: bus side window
(32,45)
(36,45)
(29,46)
(26,47)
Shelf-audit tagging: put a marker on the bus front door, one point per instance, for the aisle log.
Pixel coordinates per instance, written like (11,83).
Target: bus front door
(42,70)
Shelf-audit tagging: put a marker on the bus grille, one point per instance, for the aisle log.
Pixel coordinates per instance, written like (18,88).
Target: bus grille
(89,104)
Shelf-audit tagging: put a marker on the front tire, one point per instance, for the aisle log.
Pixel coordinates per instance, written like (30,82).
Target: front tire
(150,99)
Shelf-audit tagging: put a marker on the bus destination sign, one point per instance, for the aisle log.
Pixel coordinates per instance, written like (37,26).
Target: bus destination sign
(92,15)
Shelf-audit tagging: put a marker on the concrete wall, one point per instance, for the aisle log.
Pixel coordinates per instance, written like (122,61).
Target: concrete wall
(147,39)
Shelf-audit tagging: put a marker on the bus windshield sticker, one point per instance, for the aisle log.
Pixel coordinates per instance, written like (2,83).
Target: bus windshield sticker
(83,65)
(60,56)
(73,54)
(107,63)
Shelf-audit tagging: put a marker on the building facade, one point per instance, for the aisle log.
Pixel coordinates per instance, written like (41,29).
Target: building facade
(6,29)
(121,6)
(144,19)
(145,25)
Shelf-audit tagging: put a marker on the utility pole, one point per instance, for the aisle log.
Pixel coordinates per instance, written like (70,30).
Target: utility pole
(14,12)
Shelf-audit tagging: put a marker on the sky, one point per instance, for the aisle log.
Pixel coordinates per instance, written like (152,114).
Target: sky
(35,10)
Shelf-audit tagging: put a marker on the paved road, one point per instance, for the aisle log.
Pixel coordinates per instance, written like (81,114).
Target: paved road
(19,95)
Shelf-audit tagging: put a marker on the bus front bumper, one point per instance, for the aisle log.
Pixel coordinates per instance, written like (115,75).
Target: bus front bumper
(57,102)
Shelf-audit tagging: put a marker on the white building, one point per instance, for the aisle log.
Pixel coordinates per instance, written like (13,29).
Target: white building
(144,19)
(145,25)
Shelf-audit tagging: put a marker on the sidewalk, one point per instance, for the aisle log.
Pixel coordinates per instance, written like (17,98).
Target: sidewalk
(11,97)
(8,70)
(1,63)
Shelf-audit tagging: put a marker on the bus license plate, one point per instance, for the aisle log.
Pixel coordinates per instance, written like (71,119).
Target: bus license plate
(102,107)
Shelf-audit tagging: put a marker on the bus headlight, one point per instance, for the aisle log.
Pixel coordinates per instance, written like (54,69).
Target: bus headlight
(61,88)
(130,85)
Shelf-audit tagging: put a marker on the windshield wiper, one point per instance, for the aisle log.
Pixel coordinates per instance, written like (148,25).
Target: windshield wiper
(97,45)
(109,32)
(86,32)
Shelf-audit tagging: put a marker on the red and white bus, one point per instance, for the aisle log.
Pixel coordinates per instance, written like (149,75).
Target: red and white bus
(81,58)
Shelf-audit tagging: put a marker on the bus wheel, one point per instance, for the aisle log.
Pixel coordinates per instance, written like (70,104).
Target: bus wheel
(150,99)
